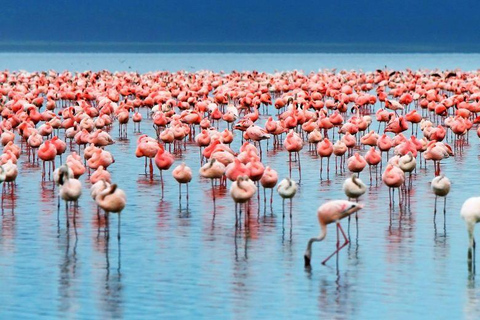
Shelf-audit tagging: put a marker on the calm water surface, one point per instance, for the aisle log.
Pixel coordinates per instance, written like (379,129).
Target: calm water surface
(179,260)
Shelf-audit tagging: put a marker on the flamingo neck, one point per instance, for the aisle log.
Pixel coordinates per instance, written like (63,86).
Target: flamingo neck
(355,181)
(308,252)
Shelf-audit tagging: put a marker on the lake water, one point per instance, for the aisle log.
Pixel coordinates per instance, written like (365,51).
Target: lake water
(184,261)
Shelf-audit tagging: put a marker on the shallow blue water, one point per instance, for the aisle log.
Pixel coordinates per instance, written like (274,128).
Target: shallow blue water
(268,62)
(176,260)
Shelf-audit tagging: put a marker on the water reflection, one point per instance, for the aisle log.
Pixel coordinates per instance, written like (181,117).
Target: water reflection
(111,295)
(401,229)
(9,229)
(471,308)
(335,294)
(290,233)
(111,289)
(68,271)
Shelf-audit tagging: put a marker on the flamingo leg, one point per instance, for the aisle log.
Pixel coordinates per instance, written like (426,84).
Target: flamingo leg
(339,228)
(471,257)
(291,204)
(75,214)
(271,197)
(66,213)
(236,214)
(299,167)
(161,181)
(119,223)
(213,193)
(444,206)
(321,167)
(290,163)
(265,197)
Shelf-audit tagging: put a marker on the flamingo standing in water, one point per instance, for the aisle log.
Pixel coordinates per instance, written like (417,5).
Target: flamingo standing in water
(11,173)
(213,169)
(441,188)
(287,189)
(163,160)
(332,211)
(47,152)
(325,150)
(293,143)
(373,158)
(112,199)
(470,212)
(56,178)
(268,181)
(354,188)
(70,190)
(393,177)
(182,174)
(407,164)
(241,191)
(96,189)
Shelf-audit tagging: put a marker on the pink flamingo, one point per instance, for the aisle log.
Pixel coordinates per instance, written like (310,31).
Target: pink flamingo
(332,211)
(183,174)
(163,160)
(137,119)
(373,158)
(241,191)
(269,181)
(339,150)
(47,152)
(112,199)
(356,163)
(325,150)
(293,143)
(100,174)
(394,178)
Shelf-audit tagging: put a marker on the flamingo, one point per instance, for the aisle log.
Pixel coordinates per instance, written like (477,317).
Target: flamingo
(332,211)
(325,150)
(112,199)
(183,174)
(70,190)
(408,163)
(47,152)
(163,160)
(213,169)
(354,188)
(268,181)
(287,188)
(470,212)
(393,177)
(293,143)
(241,191)
(441,188)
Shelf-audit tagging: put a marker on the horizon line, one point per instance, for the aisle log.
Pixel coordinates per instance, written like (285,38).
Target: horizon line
(232,47)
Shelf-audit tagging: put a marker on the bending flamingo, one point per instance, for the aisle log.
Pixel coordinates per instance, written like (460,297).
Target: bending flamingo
(332,211)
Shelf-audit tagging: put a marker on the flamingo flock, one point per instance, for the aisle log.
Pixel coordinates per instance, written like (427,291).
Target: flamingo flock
(232,118)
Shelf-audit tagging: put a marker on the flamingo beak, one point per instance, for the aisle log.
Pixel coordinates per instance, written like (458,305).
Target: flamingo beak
(352,209)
